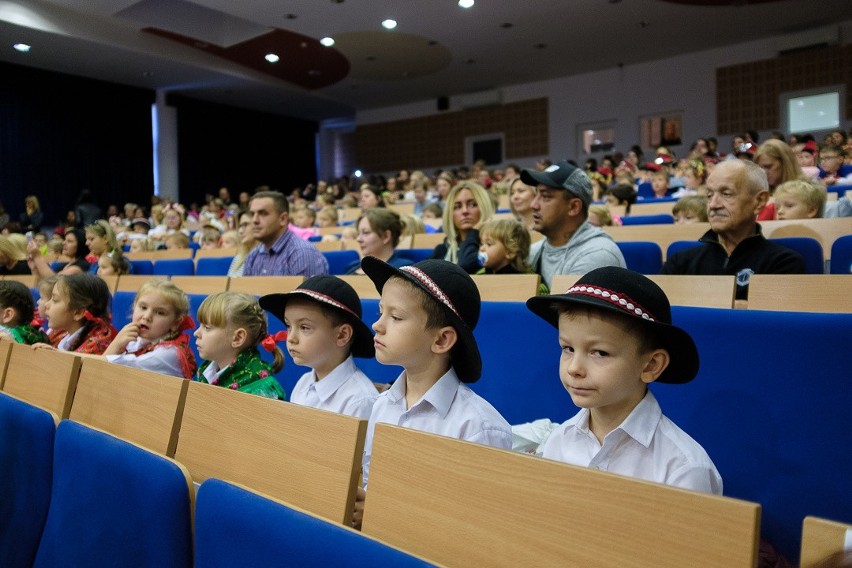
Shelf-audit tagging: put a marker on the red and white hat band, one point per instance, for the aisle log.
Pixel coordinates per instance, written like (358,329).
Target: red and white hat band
(325,299)
(615,298)
(430,285)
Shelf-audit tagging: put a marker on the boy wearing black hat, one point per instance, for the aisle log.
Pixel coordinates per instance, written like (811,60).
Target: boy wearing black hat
(616,337)
(428,312)
(325,331)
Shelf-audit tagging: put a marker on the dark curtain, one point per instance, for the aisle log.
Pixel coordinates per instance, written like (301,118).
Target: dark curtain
(60,134)
(223,146)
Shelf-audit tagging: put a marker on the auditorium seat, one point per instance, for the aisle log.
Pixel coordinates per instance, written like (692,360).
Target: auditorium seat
(262,532)
(174,267)
(339,260)
(114,504)
(841,256)
(642,256)
(809,248)
(661,219)
(213,266)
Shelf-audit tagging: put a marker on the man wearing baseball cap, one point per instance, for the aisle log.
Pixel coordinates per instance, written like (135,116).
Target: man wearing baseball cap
(560,209)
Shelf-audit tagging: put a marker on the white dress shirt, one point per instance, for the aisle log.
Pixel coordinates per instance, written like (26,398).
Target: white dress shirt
(450,408)
(345,390)
(647,445)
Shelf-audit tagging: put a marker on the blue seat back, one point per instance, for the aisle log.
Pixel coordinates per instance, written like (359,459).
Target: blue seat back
(339,260)
(661,219)
(645,190)
(642,256)
(841,255)
(122,308)
(809,248)
(677,246)
(771,407)
(143,267)
(416,254)
(174,267)
(114,504)
(261,532)
(213,266)
(26,471)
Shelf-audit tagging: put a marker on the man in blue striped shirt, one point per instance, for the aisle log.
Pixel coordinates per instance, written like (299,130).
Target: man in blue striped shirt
(280,252)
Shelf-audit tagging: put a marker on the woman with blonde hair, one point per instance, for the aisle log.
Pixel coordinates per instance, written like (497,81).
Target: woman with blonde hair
(32,217)
(468,207)
(521,197)
(780,164)
(13,258)
(247,242)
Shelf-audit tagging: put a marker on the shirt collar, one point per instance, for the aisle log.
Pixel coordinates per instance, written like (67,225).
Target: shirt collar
(640,424)
(279,244)
(212,372)
(334,380)
(440,396)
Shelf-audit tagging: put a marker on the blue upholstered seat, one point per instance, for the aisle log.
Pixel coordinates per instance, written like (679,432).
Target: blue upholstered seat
(26,471)
(810,249)
(174,267)
(338,260)
(841,256)
(114,504)
(235,527)
(213,266)
(642,256)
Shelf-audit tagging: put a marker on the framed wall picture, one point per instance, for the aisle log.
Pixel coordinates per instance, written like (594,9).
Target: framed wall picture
(661,129)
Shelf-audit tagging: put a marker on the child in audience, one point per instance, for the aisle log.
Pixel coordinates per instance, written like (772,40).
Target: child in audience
(230,239)
(799,199)
(231,326)
(113,265)
(78,315)
(616,337)
(660,183)
(504,247)
(327,217)
(45,291)
(154,339)
(325,332)
(690,209)
(427,315)
(177,241)
(16,314)
(600,216)
(141,245)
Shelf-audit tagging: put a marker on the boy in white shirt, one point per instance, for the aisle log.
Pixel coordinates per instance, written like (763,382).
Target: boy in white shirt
(616,337)
(428,313)
(324,332)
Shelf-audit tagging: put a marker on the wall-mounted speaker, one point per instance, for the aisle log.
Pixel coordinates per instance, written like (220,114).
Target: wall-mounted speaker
(443,103)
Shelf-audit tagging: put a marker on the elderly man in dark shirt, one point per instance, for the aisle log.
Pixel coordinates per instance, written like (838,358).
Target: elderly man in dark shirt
(736,191)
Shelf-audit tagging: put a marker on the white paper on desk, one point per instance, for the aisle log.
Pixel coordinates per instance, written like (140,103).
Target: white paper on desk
(847,544)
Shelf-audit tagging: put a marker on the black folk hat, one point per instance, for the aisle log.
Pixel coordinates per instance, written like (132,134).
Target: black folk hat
(334,293)
(633,295)
(454,290)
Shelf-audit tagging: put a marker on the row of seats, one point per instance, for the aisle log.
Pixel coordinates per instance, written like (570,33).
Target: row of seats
(473,505)
(642,256)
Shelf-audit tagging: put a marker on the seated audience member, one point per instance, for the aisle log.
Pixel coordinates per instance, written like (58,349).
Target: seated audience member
(521,197)
(690,209)
(101,241)
(303,222)
(173,221)
(279,252)
(177,241)
(231,327)
(421,196)
(139,228)
(694,177)
(141,245)
(660,184)
(246,244)
(73,248)
(806,154)
(325,332)
(113,265)
(780,164)
(412,225)
(800,199)
(560,211)
(428,313)
(505,247)
(33,217)
(370,197)
(210,237)
(831,160)
(327,217)
(443,184)
(13,259)
(78,314)
(433,212)
(612,349)
(468,207)
(230,239)
(17,311)
(379,230)
(620,195)
(599,216)
(736,191)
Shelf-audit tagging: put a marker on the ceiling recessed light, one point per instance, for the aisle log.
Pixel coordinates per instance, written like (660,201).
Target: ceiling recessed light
(271,57)
(22,47)
(389,24)
(327,41)
(466,3)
